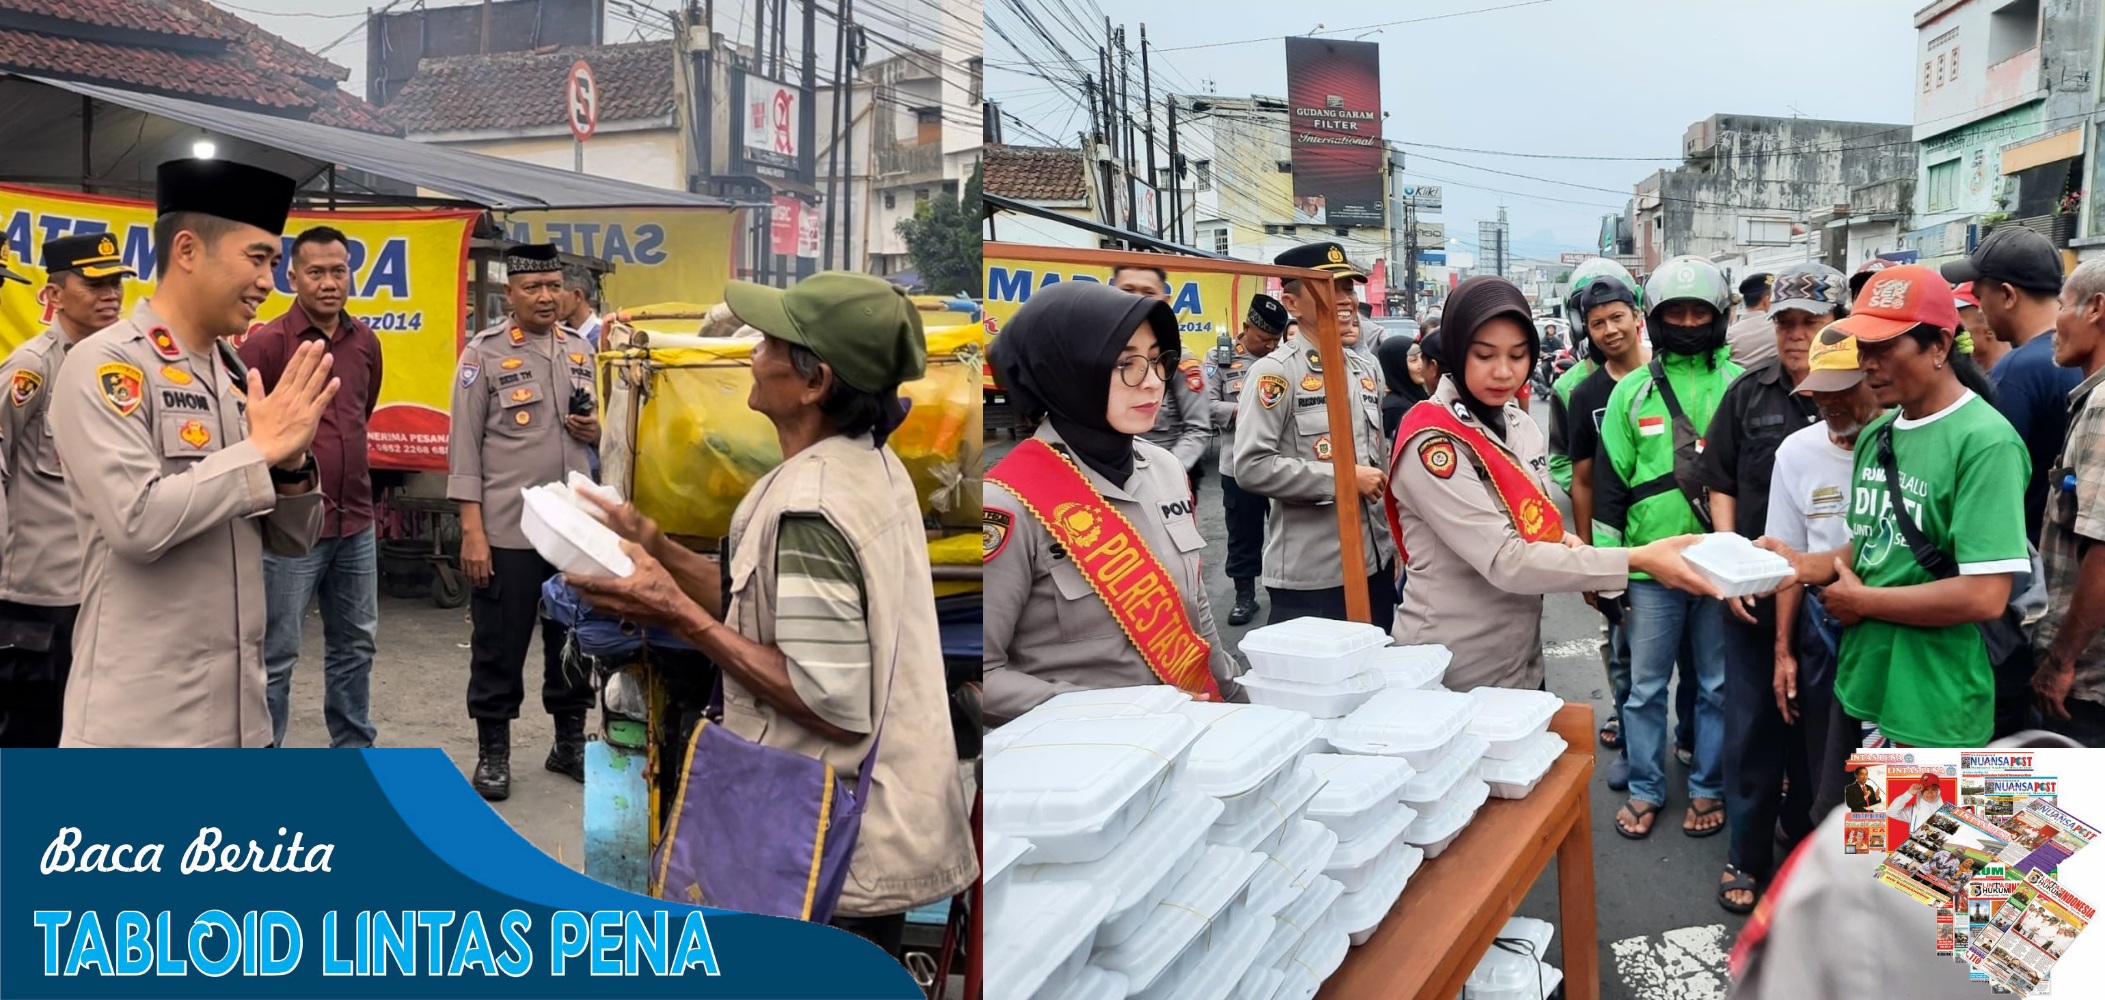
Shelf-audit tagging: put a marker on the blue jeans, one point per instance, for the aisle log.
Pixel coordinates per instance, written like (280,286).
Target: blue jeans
(345,573)
(1659,618)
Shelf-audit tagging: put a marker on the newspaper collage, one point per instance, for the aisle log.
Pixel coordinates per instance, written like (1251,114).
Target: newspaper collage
(1981,842)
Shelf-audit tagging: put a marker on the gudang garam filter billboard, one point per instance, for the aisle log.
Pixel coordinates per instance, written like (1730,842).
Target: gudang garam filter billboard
(1333,94)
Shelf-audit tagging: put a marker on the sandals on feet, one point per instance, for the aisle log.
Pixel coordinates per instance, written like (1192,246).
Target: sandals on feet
(1612,734)
(1694,813)
(1638,810)
(1738,882)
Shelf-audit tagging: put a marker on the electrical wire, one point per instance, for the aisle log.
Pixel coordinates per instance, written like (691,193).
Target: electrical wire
(1368,27)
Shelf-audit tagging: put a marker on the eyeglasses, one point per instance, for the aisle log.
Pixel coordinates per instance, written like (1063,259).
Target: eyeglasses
(1133,371)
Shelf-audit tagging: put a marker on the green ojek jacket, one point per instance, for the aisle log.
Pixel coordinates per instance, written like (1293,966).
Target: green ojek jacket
(1638,435)
(1560,463)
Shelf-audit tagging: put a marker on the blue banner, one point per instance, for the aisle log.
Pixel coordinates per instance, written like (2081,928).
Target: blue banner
(223,873)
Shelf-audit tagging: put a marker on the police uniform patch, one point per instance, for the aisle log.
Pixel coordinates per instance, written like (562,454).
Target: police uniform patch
(176,375)
(523,417)
(24,386)
(1312,383)
(510,363)
(521,395)
(120,386)
(195,434)
(1315,360)
(518,335)
(1270,389)
(1366,382)
(1439,457)
(1323,448)
(994,525)
(1194,379)
(577,359)
(468,371)
(164,342)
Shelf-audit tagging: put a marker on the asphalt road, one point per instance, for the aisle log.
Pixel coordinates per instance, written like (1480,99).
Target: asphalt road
(1662,934)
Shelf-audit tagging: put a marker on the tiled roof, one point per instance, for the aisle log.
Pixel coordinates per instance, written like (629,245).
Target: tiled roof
(525,89)
(229,61)
(1036,173)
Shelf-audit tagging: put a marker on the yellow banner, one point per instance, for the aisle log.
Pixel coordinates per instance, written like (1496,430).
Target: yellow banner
(1209,306)
(407,271)
(659,254)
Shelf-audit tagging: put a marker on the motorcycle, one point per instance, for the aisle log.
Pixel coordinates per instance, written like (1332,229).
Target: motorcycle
(1550,368)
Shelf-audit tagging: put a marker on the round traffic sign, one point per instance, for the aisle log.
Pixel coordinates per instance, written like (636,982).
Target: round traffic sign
(581,101)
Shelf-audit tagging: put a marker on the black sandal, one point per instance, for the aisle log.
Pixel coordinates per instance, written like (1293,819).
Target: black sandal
(1612,734)
(1638,814)
(1695,813)
(1739,882)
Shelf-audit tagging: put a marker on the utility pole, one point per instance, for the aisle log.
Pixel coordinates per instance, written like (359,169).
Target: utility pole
(833,152)
(1147,107)
(1176,182)
(1410,260)
(1125,125)
(1107,207)
(807,130)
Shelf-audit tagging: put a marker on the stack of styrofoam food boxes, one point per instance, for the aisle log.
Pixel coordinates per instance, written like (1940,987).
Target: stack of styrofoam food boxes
(1181,824)
(1519,748)
(1429,729)
(1513,968)
(1361,802)
(1313,665)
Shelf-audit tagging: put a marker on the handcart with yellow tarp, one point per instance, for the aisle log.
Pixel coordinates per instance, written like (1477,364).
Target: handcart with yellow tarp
(680,441)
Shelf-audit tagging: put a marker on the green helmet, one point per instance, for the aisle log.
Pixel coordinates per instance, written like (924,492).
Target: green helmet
(1593,270)
(1687,279)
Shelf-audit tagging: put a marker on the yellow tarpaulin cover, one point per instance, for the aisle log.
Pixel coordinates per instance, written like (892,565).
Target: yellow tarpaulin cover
(699,449)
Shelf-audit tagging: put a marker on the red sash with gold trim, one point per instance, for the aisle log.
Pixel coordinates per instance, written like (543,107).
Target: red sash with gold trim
(1119,566)
(1534,514)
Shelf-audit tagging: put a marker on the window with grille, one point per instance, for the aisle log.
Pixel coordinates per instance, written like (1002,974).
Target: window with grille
(1204,169)
(1943,186)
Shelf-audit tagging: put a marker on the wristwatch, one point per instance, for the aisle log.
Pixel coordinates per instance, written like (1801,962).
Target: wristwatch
(293,477)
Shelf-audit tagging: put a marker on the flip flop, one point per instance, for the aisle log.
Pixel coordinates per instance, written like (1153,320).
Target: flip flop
(1740,881)
(1638,814)
(1701,813)
(1612,734)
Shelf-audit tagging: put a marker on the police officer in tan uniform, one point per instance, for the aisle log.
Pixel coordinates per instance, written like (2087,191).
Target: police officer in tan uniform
(182,470)
(40,569)
(524,414)
(1067,355)
(1259,337)
(1185,422)
(1282,451)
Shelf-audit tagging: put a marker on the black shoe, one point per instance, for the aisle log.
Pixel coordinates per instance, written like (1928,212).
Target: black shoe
(1245,609)
(568,754)
(493,759)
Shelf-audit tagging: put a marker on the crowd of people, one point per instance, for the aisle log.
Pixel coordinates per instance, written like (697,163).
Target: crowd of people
(182,482)
(1920,446)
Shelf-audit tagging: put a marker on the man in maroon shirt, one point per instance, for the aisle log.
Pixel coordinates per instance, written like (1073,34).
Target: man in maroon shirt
(343,567)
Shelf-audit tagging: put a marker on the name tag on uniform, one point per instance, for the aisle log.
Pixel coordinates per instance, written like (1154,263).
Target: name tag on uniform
(1651,426)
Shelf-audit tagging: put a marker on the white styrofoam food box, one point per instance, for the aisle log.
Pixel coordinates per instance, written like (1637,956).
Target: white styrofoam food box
(1737,566)
(1263,828)
(1076,788)
(1299,916)
(1407,667)
(1412,724)
(1353,862)
(1311,650)
(570,539)
(1042,938)
(1506,976)
(1258,984)
(1239,746)
(1321,701)
(1506,717)
(1516,776)
(1223,964)
(1296,863)
(1359,913)
(1091,983)
(1437,829)
(1298,985)
(1136,872)
(1456,761)
(1211,888)
(1239,807)
(1355,787)
(1002,854)
(1322,950)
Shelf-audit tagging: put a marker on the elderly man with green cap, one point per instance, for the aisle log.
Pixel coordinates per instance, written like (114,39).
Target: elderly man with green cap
(822,613)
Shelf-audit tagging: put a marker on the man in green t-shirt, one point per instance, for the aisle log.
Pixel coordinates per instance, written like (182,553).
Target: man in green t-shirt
(1651,436)
(1912,659)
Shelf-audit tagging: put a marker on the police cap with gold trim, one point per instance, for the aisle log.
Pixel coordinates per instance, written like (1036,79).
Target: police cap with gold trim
(94,255)
(1324,256)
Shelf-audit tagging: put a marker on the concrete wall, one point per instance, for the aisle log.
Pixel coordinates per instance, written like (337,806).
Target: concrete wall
(1976,148)
(648,157)
(1966,35)
(1766,170)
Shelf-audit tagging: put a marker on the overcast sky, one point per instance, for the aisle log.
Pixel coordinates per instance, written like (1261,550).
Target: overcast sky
(1618,78)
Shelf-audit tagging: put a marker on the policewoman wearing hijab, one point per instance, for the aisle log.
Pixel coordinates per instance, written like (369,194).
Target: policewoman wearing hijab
(1091,548)
(1469,504)
(1404,392)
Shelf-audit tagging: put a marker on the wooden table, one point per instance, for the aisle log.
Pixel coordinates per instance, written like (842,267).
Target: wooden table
(1457,903)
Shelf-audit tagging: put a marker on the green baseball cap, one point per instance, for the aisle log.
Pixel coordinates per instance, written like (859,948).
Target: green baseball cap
(864,327)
